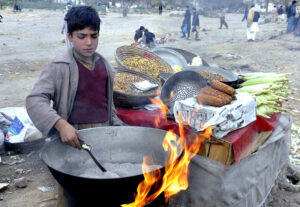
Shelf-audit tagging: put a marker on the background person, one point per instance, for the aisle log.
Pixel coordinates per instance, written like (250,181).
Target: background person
(222,19)
(186,24)
(291,13)
(274,14)
(160,9)
(281,14)
(64,29)
(195,23)
(252,23)
(245,13)
(139,33)
(149,38)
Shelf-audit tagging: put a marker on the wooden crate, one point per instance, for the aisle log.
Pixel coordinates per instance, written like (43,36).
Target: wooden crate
(222,151)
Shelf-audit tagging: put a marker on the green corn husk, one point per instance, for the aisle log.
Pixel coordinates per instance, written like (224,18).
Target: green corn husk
(264,80)
(269,97)
(259,88)
(249,76)
(265,110)
(259,103)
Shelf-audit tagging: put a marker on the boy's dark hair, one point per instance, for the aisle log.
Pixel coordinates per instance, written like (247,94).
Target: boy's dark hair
(79,18)
(252,5)
(294,2)
(194,8)
(142,28)
(187,6)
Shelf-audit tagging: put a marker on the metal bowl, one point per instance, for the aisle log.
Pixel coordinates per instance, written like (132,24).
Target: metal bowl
(26,146)
(182,85)
(170,56)
(224,73)
(109,144)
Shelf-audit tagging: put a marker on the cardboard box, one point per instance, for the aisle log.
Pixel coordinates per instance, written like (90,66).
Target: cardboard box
(222,151)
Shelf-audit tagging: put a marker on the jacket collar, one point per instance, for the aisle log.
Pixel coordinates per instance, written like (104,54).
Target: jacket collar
(67,57)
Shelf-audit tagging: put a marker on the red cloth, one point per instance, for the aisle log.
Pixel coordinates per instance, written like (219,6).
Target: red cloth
(90,104)
(147,119)
(241,139)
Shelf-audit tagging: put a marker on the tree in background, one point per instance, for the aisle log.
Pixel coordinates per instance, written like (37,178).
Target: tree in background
(91,2)
(126,4)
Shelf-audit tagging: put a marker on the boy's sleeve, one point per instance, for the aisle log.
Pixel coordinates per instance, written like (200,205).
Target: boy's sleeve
(38,106)
(115,119)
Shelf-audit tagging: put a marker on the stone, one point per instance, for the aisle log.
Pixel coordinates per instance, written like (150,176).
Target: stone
(27,172)
(19,171)
(3,185)
(45,188)
(21,182)
(297,201)
(14,157)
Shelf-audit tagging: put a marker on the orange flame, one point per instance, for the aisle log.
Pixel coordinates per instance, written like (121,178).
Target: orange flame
(163,110)
(172,95)
(175,179)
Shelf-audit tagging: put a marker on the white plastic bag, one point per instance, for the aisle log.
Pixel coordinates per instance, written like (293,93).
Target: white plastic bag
(16,131)
(21,127)
(5,122)
(1,141)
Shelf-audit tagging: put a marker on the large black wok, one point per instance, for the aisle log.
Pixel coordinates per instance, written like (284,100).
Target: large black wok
(109,144)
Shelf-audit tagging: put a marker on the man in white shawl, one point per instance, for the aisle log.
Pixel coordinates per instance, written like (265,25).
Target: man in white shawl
(252,23)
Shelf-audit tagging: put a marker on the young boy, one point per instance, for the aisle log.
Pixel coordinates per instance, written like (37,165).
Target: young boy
(78,82)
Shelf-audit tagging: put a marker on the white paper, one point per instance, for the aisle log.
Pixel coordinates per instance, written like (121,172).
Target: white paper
(223,120)
(144,86)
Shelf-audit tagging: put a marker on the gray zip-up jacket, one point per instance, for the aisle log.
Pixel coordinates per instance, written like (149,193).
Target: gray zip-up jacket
(58,83)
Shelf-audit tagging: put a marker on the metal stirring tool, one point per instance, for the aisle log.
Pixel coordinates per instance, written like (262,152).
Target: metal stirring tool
(88,148)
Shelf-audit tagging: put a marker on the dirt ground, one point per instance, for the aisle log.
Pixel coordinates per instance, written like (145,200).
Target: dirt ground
(30,39)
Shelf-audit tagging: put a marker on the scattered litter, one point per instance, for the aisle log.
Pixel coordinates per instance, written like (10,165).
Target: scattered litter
(27,172)
(15,157)
(45,188)
(29,154)
(48,199)
(15,162)
(3,185)
(21,182)
(19,171)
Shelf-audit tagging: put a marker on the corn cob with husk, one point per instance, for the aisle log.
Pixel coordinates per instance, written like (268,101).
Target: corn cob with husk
(269,90)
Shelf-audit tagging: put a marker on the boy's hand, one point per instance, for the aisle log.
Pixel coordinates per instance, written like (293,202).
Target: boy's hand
(68,133)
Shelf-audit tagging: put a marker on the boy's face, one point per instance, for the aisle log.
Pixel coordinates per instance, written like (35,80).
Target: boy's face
(85,41)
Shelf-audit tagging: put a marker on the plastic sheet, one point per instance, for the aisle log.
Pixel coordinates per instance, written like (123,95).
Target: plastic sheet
(244,184)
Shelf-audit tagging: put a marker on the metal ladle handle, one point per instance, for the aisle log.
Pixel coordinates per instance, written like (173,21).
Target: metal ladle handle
(88,148)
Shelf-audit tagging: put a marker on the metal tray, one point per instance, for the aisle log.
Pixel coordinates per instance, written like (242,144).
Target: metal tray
(170,56)
(189,56)
(184,84)
(231,77)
